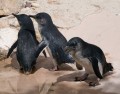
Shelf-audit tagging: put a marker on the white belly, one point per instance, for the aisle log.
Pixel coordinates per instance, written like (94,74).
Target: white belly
(85,63)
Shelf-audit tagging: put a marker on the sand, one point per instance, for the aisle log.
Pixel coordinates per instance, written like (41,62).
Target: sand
(102,29)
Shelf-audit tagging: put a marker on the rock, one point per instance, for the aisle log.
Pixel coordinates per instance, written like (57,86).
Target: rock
(65,13)
(11,21)
(36,5)
(10,6)
(32,4)
(4,22)
(28,11)
(8,21)
(28,4)
(2,54)
(53,1)
(7,37)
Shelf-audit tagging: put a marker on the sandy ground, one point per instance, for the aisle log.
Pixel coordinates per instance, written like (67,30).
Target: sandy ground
(101,29)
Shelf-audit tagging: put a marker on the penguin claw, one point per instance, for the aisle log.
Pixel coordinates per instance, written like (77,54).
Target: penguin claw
(21,68)
(54,69)
(77,79)
(93,84)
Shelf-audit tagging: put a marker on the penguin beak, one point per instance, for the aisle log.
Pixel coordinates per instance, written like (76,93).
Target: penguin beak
(14,14)
(66,49)
(27,73)
(32,16)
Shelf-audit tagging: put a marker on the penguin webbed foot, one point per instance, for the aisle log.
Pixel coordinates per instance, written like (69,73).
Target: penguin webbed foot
(94,84)
(54,69)
(21,69)
(79,67)
(82,78)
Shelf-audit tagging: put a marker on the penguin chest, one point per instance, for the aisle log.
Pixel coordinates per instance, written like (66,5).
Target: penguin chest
(85,63)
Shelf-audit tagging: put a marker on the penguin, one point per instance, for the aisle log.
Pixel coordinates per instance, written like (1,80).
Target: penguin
(90,56)
(53,39)
(26,44)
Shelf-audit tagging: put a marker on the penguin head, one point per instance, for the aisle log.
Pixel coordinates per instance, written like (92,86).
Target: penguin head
(42,19)
(24,21)
(73,45)
(27,69)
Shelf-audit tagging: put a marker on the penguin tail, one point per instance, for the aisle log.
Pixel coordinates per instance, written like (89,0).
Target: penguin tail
(108,67)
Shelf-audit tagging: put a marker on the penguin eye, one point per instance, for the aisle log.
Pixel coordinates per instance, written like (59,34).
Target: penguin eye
(43,21)
(73,44)
(38,17)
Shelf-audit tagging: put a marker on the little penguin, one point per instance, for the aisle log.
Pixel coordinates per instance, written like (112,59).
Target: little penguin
(26,44)
(90,56)
(53,39)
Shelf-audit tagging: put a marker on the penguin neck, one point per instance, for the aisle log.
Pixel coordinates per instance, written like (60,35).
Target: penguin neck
(84,46)
(45,27)
(30,29)
(26,27)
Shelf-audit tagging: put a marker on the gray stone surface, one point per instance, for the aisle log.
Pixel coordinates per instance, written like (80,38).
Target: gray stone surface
(10,6)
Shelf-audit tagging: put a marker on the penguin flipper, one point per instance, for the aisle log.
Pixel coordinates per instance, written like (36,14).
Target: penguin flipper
(43,50)
(41,46)
(95,66)
(12,48)
(61,56)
